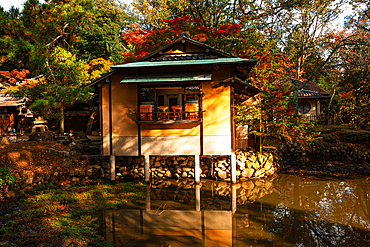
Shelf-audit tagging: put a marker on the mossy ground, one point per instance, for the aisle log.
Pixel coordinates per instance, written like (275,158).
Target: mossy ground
(343,134)
(56,215)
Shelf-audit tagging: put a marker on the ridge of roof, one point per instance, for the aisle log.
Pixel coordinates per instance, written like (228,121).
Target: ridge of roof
(226,60)
(311,86)
(178,40)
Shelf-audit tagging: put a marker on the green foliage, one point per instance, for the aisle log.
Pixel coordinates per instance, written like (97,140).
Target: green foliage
(97,68)
(151,13)
(307,26)
(355,103)
(25,39)
(61,86)
(65,80)
(99,34)
(355,137)
(7,181)
(353,88)
(328,138)
(55,39)
(63,39)
(6,178)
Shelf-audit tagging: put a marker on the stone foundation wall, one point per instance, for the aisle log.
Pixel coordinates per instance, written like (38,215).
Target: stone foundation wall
(249,165)
(294,153)
(32,178)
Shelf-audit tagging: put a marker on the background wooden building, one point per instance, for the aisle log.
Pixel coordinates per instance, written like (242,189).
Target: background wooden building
(309,101)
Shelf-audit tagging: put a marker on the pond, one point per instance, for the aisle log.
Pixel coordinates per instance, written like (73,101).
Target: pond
(280,211)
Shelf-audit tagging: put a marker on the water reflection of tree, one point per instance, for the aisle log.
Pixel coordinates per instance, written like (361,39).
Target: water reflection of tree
(311,213)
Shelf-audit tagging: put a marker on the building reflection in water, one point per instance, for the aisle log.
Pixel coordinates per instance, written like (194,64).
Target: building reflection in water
(284,211)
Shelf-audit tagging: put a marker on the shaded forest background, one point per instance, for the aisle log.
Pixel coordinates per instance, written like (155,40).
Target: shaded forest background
(64,45)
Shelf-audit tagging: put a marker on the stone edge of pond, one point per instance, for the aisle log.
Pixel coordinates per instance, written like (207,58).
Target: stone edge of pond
(250,165)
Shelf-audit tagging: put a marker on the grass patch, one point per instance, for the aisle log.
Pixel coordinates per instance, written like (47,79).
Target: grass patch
(328,138)
(355,137)
(342,134)
(61,216)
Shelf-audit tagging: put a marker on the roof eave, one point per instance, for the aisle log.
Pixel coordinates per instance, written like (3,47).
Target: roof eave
(315,97)
(104,76)
(246,85)
(240,61)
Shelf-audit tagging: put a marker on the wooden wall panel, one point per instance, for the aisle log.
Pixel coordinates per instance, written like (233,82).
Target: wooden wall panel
(105,119)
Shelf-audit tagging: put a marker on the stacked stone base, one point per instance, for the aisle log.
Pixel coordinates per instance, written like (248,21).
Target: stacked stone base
(248,165)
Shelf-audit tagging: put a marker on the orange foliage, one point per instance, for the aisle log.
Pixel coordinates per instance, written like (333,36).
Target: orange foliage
(14,76)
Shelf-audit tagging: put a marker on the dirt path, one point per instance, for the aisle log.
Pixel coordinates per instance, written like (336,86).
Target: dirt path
(32,156)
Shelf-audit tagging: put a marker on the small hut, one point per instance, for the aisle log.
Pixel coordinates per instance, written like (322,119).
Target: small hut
(14,116)
(178,100)
(309,101)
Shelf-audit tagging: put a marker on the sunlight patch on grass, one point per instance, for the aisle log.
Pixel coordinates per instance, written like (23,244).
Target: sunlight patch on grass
(14,156)
(23,163)
(66,211)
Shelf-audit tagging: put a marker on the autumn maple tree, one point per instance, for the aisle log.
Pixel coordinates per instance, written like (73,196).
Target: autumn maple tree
(274,114)
(11,78)
(289,39)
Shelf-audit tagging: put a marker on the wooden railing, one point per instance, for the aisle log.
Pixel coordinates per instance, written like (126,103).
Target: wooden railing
(320,119)
(168,117)
(323,119)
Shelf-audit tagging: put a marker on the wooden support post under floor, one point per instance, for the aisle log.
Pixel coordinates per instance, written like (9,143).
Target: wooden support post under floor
(146,167)
(197,168)
(233,168)
(112,162)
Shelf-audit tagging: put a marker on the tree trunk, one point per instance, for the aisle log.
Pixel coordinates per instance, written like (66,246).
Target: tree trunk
(90,123)
(295,97)
(62,121)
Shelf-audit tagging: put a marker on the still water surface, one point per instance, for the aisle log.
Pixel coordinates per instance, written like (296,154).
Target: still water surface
(282,211)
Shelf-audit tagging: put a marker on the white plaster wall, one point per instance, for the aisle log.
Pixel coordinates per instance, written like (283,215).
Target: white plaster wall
(217,145)
(312,111)
(170,145)
(125,145)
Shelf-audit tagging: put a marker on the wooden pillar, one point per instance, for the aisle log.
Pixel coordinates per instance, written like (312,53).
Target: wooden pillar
(12,122)
(110,120)
(146,167)
(2,130)
(112,167)
(197,168)
(101,118)
(233,168)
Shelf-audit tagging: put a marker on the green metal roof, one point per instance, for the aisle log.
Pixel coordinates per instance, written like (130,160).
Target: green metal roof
(171,77)
(228,60)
